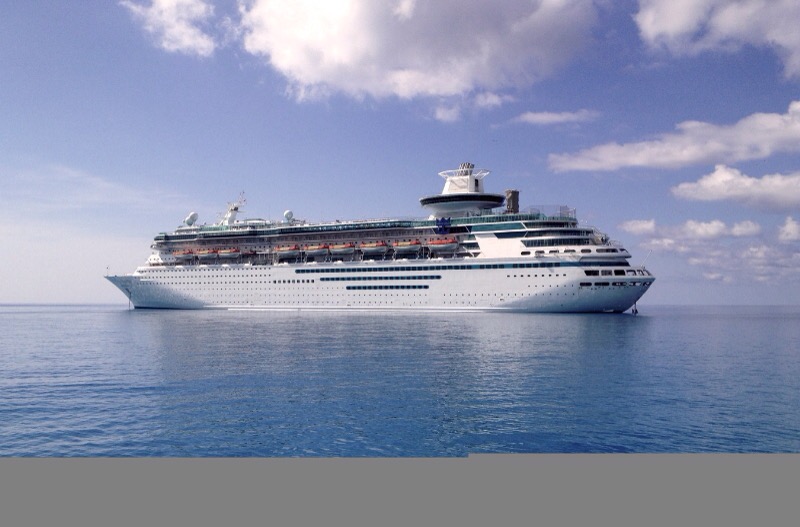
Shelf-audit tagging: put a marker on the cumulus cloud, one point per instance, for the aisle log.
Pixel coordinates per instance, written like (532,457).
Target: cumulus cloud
(789,231)
(689,27)
(739,259)
(639,226)
(177,24)
(546,118)
(774,191)
(754,137)
(491,100)
(407,48)
(448,114)
(690,230)
(717,277)
(665,244)
(704,230)
(725,252)
(745,228)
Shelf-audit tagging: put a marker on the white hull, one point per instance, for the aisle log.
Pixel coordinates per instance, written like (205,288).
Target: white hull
(430,285)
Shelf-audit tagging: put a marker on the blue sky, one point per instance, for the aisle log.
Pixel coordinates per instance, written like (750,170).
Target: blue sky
(673,125)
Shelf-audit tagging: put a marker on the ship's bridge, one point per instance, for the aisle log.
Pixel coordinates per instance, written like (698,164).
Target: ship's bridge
(463,193)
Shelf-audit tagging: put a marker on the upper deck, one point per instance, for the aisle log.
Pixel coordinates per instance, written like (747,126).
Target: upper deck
(562,216)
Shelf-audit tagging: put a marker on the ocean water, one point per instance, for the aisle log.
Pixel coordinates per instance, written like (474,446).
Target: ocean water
(109,381)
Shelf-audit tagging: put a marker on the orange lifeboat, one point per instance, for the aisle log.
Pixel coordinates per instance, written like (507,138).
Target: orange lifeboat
(342,248)
(378,247)
(443,245)
(230,252)
(287,251)
(316,250)
(407,247)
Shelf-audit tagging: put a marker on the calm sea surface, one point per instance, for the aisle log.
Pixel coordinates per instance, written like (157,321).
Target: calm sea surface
(108,381)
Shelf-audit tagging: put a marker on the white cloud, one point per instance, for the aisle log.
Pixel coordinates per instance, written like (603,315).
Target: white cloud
(754,137)
(176,24)
(704,230)
(727,253)
(690,230)
(689,27)
(405,9)
(448,114)
(408,49)
(714,229)
(546,118)
(717,277)
(745,228)
(775,191)
(491,100)
(639,226)
(789,231)
(665,244)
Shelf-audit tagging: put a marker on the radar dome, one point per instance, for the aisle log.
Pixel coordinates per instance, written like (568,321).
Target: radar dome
(288,215)
(190,219)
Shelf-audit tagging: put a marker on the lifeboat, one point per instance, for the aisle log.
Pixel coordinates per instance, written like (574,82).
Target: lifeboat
(228,253)
(316,250)
(445,245)
(185,254)
(205,254)
(407,247)
(287,251)
(342,248)
(379,247)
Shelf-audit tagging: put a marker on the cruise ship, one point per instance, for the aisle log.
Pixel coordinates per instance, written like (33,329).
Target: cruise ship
(475,251)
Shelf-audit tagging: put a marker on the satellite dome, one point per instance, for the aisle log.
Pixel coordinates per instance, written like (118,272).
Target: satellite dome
(190,219)
(288,215)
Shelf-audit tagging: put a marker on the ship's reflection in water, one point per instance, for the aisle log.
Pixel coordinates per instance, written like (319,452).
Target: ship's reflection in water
(240,383)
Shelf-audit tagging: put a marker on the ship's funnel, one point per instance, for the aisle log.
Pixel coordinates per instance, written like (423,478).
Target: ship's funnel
(512,201)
